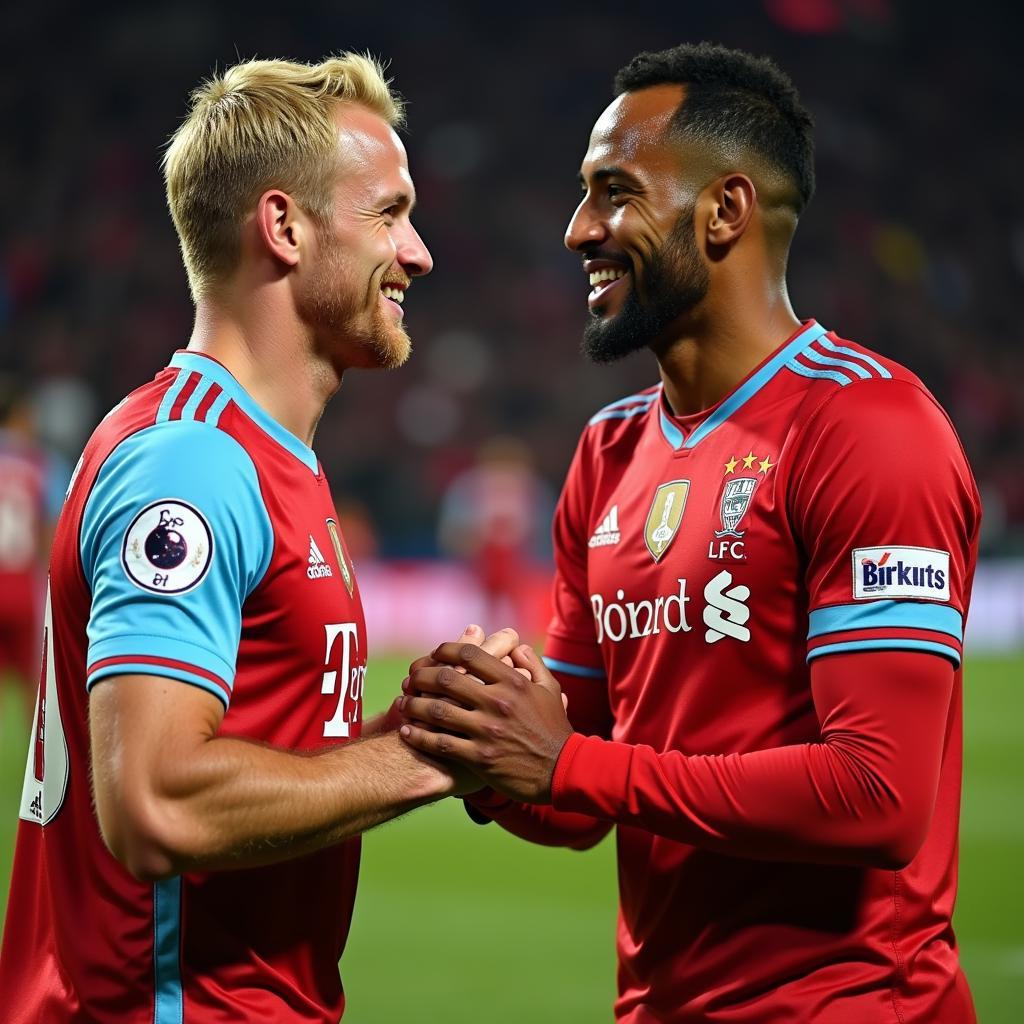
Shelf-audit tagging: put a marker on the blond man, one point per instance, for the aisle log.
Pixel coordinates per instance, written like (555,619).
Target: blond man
(189,845)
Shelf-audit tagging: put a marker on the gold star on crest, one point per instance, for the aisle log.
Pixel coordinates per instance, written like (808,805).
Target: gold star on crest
(749,459)
(765,465)
(730,466)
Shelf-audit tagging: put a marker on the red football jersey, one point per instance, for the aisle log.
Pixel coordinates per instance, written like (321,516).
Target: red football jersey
(197,543)
(707,567)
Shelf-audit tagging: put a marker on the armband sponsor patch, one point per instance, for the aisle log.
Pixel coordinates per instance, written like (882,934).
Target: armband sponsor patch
(888,572)
(167,548)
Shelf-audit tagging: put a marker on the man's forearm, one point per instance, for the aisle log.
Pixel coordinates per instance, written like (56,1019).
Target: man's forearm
(230,803)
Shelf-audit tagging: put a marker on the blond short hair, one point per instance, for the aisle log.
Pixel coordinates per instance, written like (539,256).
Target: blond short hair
(261,124)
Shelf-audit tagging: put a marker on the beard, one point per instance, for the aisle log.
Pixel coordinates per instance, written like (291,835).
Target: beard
(340,321)
(676,280)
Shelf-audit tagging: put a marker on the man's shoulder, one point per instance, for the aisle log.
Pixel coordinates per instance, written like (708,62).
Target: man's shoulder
(829,363)
(621,420)
(156,427)
(845,380)
(626,408)
(139,453)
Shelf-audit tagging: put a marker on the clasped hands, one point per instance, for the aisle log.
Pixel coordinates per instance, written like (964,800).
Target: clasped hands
(490,706)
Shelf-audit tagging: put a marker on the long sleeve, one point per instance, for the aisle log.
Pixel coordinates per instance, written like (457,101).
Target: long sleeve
(863,794)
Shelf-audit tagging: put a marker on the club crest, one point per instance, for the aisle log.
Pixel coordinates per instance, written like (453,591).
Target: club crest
(665,516)
(346,572)
(736,497)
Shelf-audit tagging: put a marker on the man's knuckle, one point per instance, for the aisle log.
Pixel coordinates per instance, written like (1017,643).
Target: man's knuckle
(467,652)
(440,709)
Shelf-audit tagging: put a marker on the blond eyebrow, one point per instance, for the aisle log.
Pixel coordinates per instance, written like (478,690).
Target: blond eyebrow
(398,199)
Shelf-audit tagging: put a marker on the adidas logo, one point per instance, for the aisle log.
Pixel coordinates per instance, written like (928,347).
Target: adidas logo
(608,532)
(318,566)
(36,807)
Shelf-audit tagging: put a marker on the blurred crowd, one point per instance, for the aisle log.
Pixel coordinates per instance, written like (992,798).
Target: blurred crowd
(914,244)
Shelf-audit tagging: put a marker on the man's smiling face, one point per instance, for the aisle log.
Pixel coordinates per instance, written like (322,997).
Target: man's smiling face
(369,252)
(634,228)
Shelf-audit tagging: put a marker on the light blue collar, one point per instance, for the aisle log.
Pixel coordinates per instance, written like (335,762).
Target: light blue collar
(746,391)
(212,370)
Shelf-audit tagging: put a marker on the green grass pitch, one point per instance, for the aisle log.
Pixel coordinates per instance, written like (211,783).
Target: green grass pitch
(456,923)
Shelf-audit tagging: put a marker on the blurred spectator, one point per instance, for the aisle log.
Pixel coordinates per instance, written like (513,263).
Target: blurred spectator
(496,516)
(32,484)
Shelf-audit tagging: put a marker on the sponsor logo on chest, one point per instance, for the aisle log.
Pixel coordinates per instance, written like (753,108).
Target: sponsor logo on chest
(725,613)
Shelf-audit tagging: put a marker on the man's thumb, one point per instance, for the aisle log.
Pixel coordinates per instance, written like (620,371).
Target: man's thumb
(526,657)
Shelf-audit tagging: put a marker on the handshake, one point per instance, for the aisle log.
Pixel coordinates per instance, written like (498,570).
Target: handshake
(488,711)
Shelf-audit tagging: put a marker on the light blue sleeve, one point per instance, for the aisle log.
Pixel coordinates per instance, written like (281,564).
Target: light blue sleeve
(175,536)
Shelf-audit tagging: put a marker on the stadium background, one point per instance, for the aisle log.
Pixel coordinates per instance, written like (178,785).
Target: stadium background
(914,245)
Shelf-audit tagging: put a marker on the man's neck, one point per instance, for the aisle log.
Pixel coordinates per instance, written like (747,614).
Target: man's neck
(718,348)
(270,359)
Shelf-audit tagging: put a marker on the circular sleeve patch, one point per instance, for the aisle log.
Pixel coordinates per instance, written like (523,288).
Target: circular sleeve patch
(168,547)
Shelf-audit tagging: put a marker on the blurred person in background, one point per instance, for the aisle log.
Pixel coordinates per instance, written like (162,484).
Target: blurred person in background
(205,643)
(496,517)
(763,566)
(32,483)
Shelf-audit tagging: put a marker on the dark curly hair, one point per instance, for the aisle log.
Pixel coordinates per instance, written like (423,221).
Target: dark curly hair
(734,98)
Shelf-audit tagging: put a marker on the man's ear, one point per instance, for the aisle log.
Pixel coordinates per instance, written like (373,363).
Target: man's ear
(280,226)
(733,198)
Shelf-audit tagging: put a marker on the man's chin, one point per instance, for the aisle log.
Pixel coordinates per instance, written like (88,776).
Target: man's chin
(392,349)
(609,338)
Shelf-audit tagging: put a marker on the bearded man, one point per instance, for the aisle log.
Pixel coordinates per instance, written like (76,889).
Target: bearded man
(764,564)
(197,784)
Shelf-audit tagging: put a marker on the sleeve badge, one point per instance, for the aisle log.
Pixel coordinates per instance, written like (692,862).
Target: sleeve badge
(167,548)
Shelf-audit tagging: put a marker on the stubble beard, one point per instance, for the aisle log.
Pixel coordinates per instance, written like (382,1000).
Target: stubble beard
(340,323)
(676,280)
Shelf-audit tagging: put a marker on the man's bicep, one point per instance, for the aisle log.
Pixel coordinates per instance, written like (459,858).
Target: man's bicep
(144,730)
(888,712)
(886,509)
(135,721)
(878,695)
